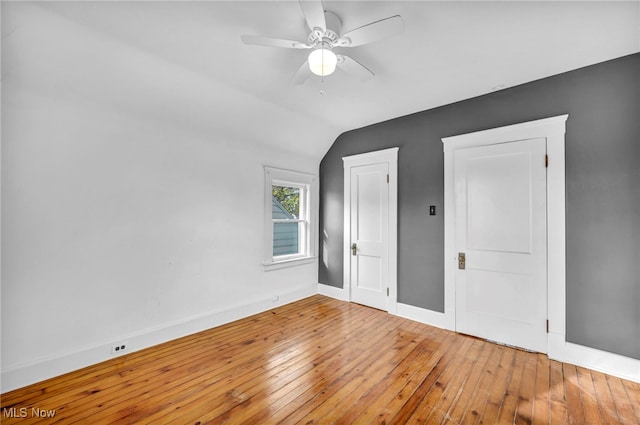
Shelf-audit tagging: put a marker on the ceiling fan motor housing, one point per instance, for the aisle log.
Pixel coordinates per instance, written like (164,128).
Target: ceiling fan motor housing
(329,37)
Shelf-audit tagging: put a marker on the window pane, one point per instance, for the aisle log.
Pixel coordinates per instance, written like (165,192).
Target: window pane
(285,202)
(285,239)
(287,214)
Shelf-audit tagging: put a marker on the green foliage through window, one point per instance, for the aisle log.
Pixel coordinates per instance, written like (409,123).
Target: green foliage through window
(289,198)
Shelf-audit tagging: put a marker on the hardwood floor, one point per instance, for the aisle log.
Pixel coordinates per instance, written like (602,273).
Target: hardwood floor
(325,361)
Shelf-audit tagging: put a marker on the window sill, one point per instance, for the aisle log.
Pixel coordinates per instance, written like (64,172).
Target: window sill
(288,263)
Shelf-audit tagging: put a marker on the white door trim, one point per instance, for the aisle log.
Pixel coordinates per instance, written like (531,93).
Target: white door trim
(553,129)
(389,156)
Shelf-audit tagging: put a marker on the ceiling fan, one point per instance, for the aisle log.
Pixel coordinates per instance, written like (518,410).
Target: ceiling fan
(325,36)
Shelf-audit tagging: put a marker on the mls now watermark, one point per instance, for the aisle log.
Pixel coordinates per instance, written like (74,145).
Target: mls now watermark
(28,412)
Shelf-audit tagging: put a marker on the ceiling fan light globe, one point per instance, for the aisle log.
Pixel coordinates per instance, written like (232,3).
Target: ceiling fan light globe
(322,62)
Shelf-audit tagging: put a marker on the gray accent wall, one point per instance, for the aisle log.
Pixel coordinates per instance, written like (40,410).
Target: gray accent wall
(602,194)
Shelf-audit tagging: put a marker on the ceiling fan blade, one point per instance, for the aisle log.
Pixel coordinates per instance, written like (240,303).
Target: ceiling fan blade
(354,68)
(302,74)
(372,32)
(259,40)
(314,14)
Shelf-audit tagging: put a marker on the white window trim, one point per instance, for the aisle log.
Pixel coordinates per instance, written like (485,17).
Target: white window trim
(304,181)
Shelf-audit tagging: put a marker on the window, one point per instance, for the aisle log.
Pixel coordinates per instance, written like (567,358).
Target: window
(288,213)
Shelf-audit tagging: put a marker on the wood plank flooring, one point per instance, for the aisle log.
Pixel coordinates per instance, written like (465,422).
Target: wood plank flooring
(323,361)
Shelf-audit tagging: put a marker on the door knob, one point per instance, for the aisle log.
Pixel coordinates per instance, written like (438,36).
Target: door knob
(354,248)
(461,260)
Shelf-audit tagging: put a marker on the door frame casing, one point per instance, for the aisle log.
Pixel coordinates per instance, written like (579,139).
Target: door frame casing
(389,156)
(553,130)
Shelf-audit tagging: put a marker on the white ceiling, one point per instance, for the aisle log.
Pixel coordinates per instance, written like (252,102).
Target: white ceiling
(184,61)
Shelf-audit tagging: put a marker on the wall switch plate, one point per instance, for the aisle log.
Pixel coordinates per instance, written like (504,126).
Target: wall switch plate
(432,210)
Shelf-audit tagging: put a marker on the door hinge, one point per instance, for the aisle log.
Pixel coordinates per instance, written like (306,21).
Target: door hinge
(387,178)
(547,325)
(387,292)
(546,161)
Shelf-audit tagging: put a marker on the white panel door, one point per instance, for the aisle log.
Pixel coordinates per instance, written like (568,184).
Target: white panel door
(370,235)
(501,294)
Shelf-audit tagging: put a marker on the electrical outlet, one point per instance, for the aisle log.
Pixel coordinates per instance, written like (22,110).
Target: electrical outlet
(119,348)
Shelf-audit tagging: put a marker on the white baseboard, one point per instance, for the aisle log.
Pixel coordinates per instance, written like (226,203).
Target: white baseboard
(28,373)
(333,292)
(422,315)
(558,349)
(592,358)
(35,371)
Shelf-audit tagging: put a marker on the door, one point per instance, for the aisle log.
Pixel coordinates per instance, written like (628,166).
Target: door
(501,283)
(369,239)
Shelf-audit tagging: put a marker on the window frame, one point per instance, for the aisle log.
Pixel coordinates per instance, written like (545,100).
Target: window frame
(306,222)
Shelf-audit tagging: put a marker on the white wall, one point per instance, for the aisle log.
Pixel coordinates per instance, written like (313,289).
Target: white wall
(118,227)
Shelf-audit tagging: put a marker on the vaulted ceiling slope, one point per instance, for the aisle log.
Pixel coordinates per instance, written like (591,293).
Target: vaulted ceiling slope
(184,62)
